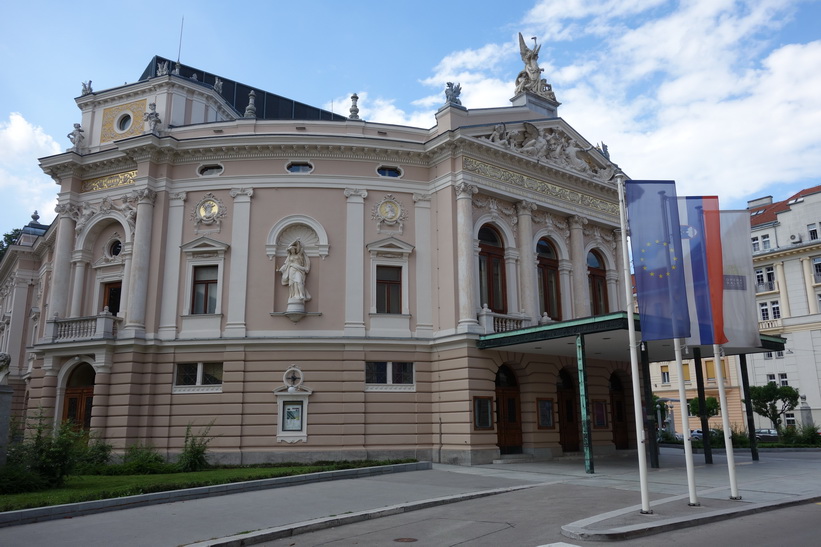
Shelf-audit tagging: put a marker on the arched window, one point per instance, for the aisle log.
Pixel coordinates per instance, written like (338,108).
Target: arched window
(492,270)
(548,271)
(598,283)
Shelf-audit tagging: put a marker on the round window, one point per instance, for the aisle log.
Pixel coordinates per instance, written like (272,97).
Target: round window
(115,248)
(124,122)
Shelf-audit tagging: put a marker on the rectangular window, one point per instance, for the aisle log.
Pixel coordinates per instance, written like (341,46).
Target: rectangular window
(789,419)
(816,269)
(665,374)
(756,244)
(198,377)
(204,297)
(765,242)
(812,230)
(710,365)
(483,412)
(768,355)
(389,376)
(765,279)
(770,378)
(389,289)
(779,354)
(782,379)
(765,311)
(775,308)
(600,414)
(685,368)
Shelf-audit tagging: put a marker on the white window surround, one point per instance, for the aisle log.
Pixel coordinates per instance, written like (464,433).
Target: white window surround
(198,387)
(390,386)
(202,251)
(390,252)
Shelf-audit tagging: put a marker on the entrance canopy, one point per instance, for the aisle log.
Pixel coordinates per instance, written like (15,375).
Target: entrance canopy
(606,337)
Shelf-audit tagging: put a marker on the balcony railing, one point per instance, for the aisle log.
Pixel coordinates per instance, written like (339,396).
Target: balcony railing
(499,322)
(99,327)
(769,324)
(766,286)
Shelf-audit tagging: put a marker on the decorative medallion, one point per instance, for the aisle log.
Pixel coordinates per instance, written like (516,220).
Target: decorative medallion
(389,215)
(208,214)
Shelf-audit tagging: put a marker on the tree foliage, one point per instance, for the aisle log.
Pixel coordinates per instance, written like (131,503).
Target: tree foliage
(8,239)
(710,402)
(773,401)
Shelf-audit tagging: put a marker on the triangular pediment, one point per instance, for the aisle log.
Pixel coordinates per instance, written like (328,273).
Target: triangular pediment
(390,245)
(204,245)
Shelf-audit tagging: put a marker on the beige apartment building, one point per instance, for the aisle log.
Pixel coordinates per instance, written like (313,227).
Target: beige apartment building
(318,286)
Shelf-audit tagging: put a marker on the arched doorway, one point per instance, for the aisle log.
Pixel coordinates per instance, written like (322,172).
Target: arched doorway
(568,420)
(79,395)
(618,406)
(508,415)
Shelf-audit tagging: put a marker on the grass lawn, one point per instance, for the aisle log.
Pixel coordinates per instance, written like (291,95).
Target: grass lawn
(95,487)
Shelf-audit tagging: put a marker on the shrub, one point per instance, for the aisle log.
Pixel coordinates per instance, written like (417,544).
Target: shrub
(51,454)
(16,479)
(192,457)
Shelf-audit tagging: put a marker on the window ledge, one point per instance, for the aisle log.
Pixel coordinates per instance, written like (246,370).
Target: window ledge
(407,388)
(197,389)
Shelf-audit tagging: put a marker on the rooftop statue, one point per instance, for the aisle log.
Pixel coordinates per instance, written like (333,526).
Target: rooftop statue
(530,79)
(76,136)
(87,88)
(452,93)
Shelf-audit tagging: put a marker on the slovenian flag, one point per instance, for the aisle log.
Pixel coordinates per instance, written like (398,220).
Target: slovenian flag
(655,240)
(703,268)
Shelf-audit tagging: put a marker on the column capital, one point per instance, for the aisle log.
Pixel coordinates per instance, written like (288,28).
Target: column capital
(242,193)
(577,221)
(525,207)
(465,190)
(353,193)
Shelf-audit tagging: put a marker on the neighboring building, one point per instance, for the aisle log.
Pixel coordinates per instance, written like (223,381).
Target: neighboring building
(316,285)
(787,260)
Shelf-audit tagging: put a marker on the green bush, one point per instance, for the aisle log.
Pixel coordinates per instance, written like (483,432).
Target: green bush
(16,479)
(51,454)
(192,457)
(806,434)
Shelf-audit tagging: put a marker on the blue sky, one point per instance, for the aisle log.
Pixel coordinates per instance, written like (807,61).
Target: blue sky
(722,96)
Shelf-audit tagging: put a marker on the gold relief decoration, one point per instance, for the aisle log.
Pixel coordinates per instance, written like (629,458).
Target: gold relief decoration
(124,120)
(109,181)
(389,215)
(208,214)
(541,187)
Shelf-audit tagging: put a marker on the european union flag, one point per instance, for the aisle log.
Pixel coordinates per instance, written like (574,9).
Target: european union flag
(655,239)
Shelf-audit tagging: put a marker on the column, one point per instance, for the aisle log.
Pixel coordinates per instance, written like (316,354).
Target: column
(566,287)
(527,252)
(355,262)
(783,298)
(171,275)
(466,273)
(140,262)
(238,275)
(809,281)
(581,298)
(613,294)
(58,298)
(79,263)
(424,273)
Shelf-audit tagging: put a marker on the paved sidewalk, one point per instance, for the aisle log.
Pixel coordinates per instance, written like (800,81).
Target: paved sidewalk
(515,504)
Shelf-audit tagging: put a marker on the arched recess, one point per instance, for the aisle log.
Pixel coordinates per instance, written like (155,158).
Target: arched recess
(87,237)
(568,412)
(99,263)
(619,398)
(75,383)
(508,412)
(548,279)
(597,283)
(505,255)
(313,236)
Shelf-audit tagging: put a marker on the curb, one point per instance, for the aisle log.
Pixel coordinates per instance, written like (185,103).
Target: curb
(578,531)
(288,530)
(71,510)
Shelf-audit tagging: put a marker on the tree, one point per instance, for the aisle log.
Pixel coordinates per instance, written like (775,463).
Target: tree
(773,401)
(8,239)
(711,404)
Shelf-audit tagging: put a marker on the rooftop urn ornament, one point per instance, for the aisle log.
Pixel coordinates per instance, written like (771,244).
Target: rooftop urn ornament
(87,88)
(354,109)
(251,109)
(452,92)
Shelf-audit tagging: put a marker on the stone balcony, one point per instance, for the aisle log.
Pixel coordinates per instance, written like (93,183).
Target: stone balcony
(78,329)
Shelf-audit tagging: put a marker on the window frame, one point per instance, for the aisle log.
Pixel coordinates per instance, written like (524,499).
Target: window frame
(389,384)
(198,386)
(386,286)
(597,279)
(210,286)
(665,374)
(547,269)
(491,281)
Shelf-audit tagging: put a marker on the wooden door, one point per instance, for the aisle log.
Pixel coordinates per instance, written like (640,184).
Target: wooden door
(509,424)
(111,296)
(77,406)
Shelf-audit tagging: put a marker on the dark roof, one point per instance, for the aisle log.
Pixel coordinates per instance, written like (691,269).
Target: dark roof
(269,105)
(765,214)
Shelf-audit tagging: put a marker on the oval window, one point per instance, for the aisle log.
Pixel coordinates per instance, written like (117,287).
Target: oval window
(124,122)
(300,167)
(210,170)
(385,171)
(115,248)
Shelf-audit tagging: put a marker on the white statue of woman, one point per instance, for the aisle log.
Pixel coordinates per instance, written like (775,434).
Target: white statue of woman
(295,272)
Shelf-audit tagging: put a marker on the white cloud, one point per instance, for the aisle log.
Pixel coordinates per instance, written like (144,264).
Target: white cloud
(23,185)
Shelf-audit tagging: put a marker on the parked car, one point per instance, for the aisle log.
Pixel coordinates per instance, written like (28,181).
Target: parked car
(697,434)
(766,435)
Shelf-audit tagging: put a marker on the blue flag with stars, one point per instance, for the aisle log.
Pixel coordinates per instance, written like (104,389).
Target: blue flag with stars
(655,239)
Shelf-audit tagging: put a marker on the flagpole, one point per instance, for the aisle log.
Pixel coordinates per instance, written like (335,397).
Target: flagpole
(725,421)
(685,421)
(638,411)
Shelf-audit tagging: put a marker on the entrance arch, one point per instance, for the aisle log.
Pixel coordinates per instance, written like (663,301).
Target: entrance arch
(618,406)
(568,419)
(508,415)
(79,396)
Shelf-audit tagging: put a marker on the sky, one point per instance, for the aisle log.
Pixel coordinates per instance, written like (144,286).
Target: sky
(722,96)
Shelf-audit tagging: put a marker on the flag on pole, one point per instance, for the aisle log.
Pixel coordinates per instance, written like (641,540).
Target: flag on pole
(655,240)
(741,325)
(703,270)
